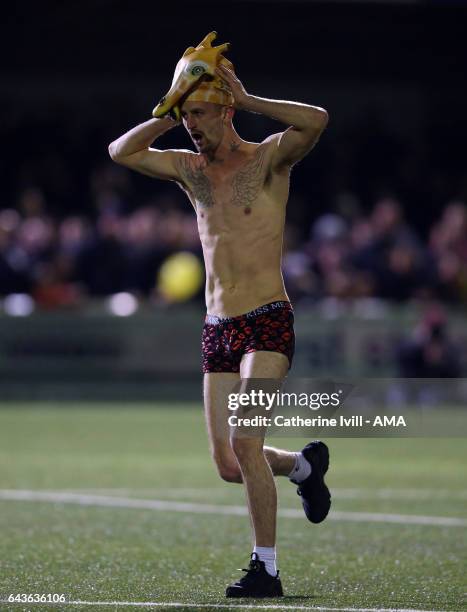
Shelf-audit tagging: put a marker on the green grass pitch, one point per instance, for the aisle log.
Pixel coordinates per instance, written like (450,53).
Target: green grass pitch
(106,553)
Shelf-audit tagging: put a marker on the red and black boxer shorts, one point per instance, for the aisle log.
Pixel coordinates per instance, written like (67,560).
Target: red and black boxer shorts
(267,328)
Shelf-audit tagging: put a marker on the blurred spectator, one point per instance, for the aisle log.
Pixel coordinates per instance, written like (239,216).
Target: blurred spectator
(429,353)
(401,274)
(389,251)
(144,250)
(101,266)
(448,251)
(54,288)
(14,269)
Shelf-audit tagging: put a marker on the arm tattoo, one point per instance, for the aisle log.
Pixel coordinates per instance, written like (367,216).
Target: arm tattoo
(248,182)
(196,181)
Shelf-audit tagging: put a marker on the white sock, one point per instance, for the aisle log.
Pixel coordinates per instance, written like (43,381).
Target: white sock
(268,556)
(301,469)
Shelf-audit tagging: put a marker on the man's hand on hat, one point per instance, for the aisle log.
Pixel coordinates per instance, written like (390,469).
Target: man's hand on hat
(229,77)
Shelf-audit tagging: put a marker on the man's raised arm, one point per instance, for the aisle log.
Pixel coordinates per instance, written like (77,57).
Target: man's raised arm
(306,122)
(133,150)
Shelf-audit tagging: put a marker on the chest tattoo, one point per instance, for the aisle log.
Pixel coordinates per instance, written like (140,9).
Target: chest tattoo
(247,183)
(198,183)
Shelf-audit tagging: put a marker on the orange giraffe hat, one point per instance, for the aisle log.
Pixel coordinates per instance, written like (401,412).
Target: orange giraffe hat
(195,79)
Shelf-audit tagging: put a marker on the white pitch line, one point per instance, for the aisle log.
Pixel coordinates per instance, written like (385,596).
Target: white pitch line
(337,493)
(195,508)
(160,604)
(402,494)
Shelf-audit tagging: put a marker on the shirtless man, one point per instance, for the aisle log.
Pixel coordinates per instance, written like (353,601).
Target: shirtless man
(239,191)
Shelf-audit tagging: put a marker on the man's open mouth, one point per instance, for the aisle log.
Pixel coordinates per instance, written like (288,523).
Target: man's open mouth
(197,136)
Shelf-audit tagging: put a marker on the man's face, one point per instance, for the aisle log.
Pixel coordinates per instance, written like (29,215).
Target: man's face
(204,121)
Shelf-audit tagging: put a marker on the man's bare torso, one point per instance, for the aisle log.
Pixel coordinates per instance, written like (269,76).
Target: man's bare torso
(240,205)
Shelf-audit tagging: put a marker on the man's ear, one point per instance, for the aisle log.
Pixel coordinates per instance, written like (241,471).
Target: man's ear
(228,112)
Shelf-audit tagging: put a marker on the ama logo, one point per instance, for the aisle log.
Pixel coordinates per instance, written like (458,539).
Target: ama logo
(389,421)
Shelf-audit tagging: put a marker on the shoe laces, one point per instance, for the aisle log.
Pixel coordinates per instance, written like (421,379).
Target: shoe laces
(253,568)
(254,565)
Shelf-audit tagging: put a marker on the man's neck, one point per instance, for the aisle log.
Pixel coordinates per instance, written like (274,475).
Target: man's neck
(230,144)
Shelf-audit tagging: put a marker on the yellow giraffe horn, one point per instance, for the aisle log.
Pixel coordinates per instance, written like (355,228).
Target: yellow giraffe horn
(222,48)
(207,40)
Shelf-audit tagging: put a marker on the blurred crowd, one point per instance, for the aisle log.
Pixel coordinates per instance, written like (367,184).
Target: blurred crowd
(380,255)
(63,261)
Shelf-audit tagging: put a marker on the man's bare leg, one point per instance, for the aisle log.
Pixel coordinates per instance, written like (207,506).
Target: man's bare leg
(281,461)
(255,468)
(244,459)
(259,464)
(260,489)
(217,387)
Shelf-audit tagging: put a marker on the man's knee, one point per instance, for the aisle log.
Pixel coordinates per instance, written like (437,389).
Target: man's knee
(230,473)
(245,448)
(227,468)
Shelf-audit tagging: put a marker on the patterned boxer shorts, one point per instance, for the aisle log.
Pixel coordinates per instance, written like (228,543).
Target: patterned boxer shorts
(267,328)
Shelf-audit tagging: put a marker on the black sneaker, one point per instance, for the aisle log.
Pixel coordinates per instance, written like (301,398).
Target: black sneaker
(316,498)
(256,582)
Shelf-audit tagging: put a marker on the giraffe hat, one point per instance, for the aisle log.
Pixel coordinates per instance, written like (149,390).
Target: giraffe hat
(195,79)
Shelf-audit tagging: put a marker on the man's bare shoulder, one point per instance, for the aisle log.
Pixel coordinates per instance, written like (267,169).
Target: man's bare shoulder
(271,145)
(268,141)
(272,140)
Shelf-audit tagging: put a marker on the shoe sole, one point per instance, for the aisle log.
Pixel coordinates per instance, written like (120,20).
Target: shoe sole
(239,594)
